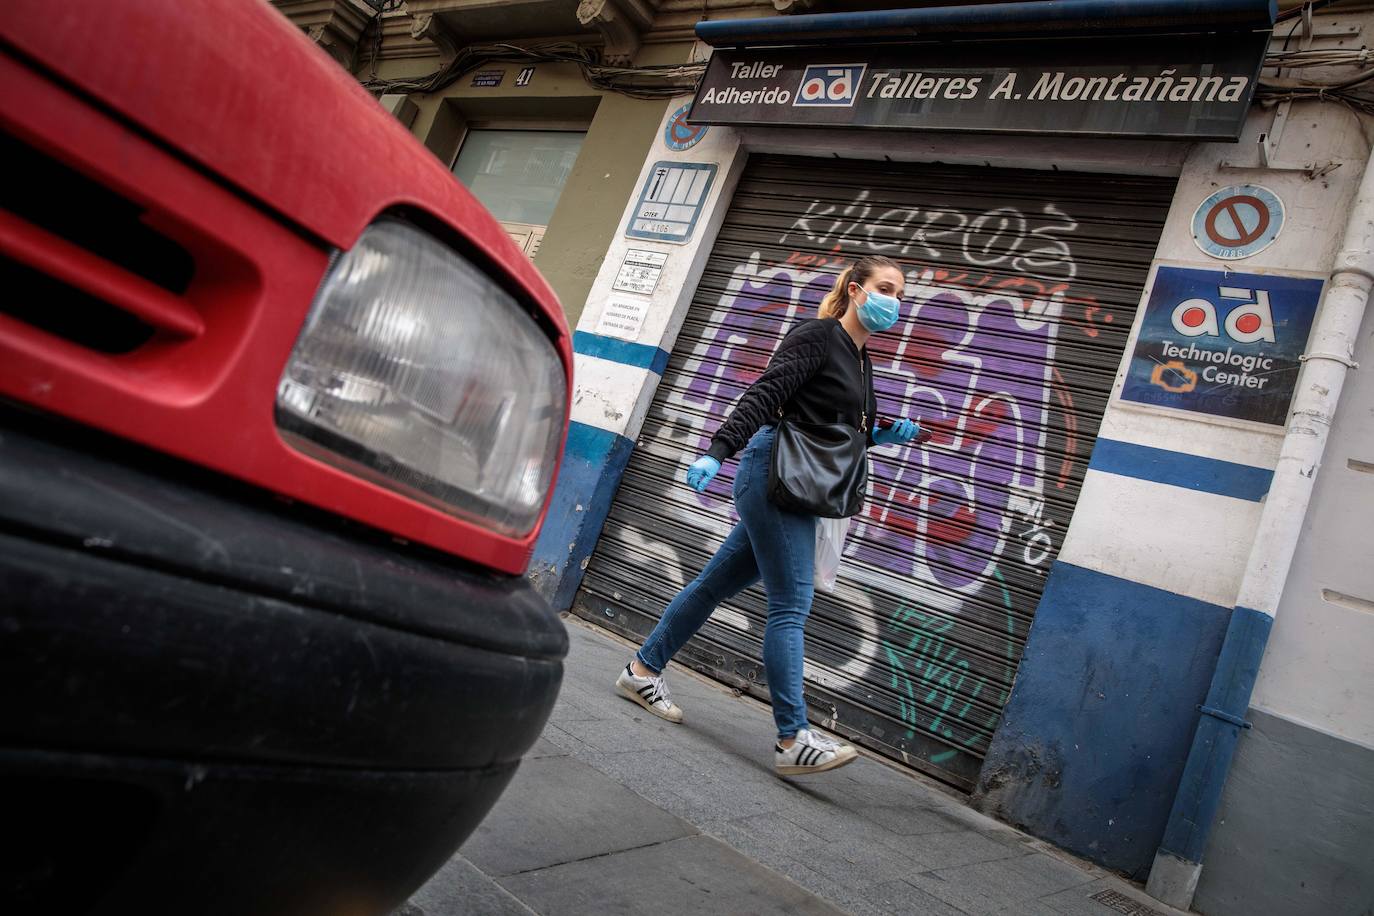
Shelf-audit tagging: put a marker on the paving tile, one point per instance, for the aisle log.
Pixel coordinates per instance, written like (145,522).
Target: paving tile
(995,887)
(902,899)
(562,739)
(766,853)
(568,709)
(612,735)
(907,820)
(459,888)
(931,851)
(779,832)
(871,839)
(557,810)
(694,875)
(858,863)
(1077,901)
(1052,873)
(545,748)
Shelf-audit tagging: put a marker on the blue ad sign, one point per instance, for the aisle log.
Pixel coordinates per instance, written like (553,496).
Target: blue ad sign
(1222,343)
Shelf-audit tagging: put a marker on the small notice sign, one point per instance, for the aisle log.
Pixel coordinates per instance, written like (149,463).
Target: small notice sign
(623,317)
(488,78)
(639,272)
(671,200)
(1223,343)
(1237,222)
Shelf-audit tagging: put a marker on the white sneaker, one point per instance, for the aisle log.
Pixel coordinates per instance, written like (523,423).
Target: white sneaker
(649,692)
(811,753)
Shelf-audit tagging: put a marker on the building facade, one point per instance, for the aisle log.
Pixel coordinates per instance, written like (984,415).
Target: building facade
(1137,258)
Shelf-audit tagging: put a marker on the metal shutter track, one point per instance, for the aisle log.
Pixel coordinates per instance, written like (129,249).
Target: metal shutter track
(915,651)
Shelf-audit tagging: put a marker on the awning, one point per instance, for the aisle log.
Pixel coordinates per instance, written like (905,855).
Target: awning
(1042,18)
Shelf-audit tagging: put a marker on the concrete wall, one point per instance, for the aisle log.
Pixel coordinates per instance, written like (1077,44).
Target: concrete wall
(1124,642)
(616,378)
(1295,833)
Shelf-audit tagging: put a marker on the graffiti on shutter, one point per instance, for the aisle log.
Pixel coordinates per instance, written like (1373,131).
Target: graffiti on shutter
(1014,319)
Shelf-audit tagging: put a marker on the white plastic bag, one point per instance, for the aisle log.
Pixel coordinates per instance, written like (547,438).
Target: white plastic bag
(830,534)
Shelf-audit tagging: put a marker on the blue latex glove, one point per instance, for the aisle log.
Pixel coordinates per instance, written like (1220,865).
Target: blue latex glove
(701,472)
(899,433)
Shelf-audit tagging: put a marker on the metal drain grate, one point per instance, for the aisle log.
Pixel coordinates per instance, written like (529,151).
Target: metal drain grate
(1123,904)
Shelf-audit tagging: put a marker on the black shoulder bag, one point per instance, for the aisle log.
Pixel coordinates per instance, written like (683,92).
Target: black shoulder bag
(820,468)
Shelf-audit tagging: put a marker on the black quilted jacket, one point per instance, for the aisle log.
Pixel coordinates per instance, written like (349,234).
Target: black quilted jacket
(815,375)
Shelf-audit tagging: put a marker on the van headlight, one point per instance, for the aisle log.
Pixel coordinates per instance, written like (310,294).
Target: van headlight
(417,372)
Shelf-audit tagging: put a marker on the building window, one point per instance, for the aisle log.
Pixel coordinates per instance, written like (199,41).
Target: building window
(518,175)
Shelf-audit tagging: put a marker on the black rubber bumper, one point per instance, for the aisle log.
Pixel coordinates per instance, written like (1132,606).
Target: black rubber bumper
(286,715)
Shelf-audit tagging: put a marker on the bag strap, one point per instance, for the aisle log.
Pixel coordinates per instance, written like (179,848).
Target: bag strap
(863,398)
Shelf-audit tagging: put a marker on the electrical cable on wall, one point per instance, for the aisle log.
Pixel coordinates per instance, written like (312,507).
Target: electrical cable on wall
(654,82)
(1355,91)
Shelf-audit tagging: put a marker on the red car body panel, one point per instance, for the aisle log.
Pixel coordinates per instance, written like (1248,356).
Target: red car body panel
(259,148)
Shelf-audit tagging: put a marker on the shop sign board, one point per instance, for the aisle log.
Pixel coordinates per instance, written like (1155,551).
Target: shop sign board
(1222,343)
(1178,86)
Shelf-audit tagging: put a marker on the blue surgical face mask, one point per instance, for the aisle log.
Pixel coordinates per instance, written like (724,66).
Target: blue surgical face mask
(878,311)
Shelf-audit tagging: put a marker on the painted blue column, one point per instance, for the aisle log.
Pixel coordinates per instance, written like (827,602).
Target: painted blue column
(1223,719)
(593,463)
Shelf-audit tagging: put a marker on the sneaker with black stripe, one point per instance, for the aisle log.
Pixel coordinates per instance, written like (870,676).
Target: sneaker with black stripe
(649,692)
(811,753)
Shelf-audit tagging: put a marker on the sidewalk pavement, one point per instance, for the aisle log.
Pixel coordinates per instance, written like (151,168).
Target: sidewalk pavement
(616,811)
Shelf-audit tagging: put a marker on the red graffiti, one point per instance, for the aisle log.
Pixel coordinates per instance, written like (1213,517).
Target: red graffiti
(954,530)
(1061,390)
(1086,319)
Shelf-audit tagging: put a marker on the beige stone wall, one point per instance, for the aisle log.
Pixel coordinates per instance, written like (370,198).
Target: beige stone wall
(620,132)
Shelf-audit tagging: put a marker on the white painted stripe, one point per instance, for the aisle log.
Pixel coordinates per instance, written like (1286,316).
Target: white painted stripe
(1186,542)
(1257,447)
(607,394)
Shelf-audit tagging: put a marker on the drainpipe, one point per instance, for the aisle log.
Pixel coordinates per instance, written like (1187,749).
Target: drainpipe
(1178,862)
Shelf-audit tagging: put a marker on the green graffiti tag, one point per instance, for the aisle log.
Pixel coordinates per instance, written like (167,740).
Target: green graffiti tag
(930,673)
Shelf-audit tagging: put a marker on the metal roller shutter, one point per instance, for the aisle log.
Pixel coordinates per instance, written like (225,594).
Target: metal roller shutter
(1021,288)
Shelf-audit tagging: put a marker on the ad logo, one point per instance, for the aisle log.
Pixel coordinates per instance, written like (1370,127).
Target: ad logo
(1249,322)
(830,85)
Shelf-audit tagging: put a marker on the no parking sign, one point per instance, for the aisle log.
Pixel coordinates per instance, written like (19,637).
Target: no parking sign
(1237,222)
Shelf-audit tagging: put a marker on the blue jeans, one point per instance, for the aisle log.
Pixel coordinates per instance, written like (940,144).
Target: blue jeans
(768,542)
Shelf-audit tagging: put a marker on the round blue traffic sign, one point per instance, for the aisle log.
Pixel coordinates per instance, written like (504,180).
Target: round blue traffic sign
(678,135)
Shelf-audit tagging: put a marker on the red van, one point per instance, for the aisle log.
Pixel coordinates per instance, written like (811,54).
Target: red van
(281,408)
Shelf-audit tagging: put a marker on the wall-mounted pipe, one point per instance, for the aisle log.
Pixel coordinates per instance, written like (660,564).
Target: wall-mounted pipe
(1330,356)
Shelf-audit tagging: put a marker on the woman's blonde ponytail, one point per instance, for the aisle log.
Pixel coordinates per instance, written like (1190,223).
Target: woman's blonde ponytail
(836,302)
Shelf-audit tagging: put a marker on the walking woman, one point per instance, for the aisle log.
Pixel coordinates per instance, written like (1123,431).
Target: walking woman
(820,369)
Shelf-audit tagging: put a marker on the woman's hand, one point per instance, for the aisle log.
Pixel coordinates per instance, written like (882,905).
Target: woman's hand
(701,472)
(899,433)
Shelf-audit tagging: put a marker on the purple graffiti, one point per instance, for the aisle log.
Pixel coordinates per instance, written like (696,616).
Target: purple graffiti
(754,313)
(974,368)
